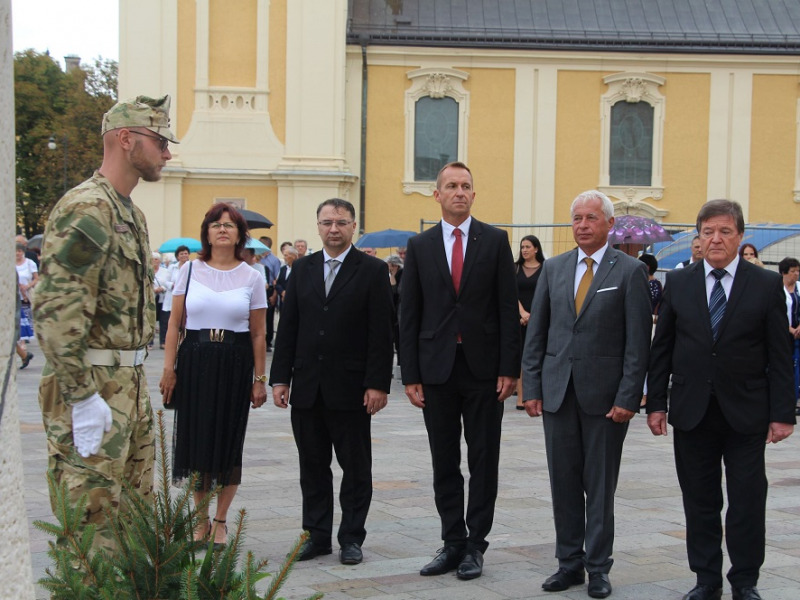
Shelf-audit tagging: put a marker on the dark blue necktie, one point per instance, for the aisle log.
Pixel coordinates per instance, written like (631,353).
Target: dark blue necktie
(716,305)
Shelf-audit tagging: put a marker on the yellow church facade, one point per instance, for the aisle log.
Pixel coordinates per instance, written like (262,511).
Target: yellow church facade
(280,104)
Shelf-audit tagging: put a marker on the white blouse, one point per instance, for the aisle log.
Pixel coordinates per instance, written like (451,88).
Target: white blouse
(220,299)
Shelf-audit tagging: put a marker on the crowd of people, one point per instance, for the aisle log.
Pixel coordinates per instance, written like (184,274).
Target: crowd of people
(579,338)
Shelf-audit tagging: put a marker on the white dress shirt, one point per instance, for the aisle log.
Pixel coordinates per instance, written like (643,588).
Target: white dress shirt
(726,281)
(450,239)
(326,268)
(580,269)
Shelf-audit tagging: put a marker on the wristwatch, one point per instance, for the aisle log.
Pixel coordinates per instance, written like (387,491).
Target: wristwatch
(261,378)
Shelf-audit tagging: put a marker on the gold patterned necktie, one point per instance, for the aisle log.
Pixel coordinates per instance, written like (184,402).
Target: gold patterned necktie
(583,285)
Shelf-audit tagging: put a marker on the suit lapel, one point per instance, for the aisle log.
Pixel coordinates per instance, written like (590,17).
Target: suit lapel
(603,269)
(739,284)
(569,280)
(439,257)
(345,273)
(473,248)
(698,278)
(317,261)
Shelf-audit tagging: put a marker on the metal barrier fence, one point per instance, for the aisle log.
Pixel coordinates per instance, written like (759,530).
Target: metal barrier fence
(773,241)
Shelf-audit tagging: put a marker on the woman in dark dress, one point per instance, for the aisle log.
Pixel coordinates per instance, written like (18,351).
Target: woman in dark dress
(529,265)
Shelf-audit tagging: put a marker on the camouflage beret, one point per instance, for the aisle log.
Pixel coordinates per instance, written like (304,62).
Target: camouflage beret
(150,113)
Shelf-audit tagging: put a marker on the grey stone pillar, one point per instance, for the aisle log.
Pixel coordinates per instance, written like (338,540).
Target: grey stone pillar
(15,557)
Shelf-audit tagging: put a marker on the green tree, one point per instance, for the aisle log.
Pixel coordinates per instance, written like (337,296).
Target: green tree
(62,109)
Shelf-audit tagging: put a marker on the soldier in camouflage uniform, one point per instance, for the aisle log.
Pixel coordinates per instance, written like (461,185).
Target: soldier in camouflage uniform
(95,315)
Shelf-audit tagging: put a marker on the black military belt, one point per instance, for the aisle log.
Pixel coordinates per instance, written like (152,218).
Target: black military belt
(217,336)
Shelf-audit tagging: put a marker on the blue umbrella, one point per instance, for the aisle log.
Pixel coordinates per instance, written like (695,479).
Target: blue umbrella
(172,244)
(256,245)
(388,238)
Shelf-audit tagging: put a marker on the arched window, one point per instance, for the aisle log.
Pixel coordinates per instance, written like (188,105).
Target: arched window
(632,112)
(435,136)
(437,108)
(631,154)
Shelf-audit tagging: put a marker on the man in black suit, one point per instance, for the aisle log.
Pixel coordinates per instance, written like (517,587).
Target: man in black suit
(722,334)
(334,348)
(459,357)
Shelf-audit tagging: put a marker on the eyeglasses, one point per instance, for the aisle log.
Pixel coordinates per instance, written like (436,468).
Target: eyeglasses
(227,226)
(162,141)
(329,223)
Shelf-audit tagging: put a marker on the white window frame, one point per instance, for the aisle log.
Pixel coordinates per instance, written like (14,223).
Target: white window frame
(436,82)
(632,87)
(796,190)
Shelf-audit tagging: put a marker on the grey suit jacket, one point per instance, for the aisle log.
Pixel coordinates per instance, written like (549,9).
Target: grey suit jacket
(604,349)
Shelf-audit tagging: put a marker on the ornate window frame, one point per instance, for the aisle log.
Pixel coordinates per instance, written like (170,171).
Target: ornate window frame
(632,87)
(796,190)
(436,82)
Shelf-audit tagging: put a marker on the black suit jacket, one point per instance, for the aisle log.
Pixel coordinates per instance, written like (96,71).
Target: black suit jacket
(281,280)
(337,346)
(749,367)
(484,312)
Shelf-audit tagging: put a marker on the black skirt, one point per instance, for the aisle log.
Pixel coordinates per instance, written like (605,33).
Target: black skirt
(212,397)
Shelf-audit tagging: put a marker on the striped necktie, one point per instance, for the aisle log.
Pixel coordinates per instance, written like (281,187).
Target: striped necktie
(717,302)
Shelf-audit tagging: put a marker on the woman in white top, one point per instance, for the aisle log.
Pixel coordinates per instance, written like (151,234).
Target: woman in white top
(182,254)
(27,278)
(221,364)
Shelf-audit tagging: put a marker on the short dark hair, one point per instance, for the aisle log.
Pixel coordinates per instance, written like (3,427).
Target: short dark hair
(180,249)
(651,262)
(456,164)
(213,215)
(720,208)
(267,241)
(788,263)
(338,203)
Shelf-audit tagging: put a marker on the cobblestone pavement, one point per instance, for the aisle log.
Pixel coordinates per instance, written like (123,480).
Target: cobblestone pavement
(403,528)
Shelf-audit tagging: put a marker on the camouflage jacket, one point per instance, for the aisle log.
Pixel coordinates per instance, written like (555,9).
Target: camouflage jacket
(96,283)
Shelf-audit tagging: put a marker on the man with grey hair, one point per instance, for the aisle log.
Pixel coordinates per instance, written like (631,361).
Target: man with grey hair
(301,246)
(583,368)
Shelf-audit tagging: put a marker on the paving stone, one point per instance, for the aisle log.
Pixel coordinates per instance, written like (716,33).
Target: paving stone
(403,528)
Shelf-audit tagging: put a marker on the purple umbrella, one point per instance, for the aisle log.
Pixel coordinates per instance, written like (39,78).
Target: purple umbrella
(630,229)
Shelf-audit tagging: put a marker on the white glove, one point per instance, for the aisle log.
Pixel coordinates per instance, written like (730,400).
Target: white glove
(90,418)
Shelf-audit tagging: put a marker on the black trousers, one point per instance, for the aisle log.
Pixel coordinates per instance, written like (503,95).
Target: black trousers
(699,455)
(270,325)
(163,325)
(463,398)
(583,458)
(317,430)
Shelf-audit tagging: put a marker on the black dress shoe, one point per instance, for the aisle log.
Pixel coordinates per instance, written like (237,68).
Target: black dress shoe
(350,553)
(310,550)
(599,585)
(471,565)
(563,579)
(704,592)
(745,593)
(446,560)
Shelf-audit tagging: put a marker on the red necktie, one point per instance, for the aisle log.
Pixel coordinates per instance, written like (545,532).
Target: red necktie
(457,259)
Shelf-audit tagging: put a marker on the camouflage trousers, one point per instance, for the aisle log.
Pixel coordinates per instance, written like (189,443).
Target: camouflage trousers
(127,451)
